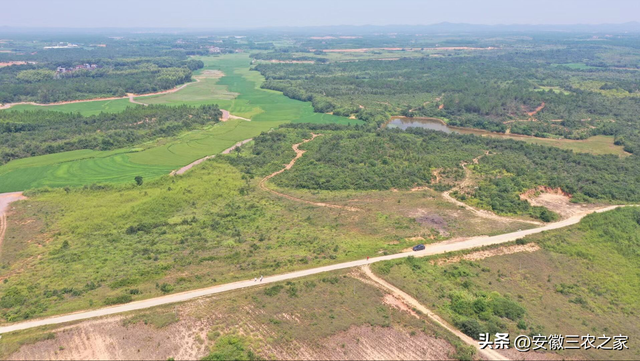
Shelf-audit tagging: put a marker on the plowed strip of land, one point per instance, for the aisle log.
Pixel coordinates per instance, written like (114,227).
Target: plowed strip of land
(412,302)
(299,154)
(453,245)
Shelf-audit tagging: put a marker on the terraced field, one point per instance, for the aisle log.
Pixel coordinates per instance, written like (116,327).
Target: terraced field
(267,109)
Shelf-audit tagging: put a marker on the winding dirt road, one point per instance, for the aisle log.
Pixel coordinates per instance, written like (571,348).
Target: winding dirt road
(412,302)
(130,96)
(478,212)
(432,249)
(299,154)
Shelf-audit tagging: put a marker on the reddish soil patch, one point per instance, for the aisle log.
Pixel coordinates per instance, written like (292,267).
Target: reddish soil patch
(9,63)
(539,108)
(556,200)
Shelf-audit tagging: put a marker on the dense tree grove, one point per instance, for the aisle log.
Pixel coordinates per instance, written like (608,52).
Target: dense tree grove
(366,159)
(525,93)
(31,133)
(47,83)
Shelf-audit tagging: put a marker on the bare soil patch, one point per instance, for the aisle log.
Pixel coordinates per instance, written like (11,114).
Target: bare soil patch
(557,200)
(9,63)
(476,256)
(535,111)
(431,220)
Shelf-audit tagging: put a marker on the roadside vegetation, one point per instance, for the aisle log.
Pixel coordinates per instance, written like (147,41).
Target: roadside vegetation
(330,316)
(584,280)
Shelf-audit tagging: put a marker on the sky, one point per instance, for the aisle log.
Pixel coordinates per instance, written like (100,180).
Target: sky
(238,14)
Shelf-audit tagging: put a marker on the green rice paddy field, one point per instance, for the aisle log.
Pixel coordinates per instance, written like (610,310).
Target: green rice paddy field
(84,108)
(267,109)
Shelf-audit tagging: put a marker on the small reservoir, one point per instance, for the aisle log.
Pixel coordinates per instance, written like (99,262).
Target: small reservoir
(426,123)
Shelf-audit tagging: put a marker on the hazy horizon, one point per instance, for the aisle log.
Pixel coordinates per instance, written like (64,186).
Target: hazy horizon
(246,14)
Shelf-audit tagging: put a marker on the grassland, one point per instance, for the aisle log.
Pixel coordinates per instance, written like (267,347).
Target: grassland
(333,316)
(205,91)
(208,226)
(599,144)
(266,108)
(584,280)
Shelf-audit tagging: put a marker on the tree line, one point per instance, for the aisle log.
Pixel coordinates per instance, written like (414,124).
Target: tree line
(32,133)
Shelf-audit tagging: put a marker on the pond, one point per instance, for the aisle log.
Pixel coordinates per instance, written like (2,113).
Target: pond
(426,123)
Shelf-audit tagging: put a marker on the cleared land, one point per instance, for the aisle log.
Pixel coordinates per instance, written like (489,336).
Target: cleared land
(338,316)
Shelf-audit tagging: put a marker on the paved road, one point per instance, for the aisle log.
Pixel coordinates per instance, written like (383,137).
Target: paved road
(437,248)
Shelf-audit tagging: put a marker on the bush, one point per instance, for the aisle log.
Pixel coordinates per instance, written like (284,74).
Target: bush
(504,307)
(230,347)
(166,288)
(273,291)
(118,300)
(471,328)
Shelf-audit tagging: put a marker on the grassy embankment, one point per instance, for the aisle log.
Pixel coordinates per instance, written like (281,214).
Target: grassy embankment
(267,109)
(584,280)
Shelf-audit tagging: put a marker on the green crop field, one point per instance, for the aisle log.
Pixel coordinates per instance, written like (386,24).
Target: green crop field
(267,109)
(84,108)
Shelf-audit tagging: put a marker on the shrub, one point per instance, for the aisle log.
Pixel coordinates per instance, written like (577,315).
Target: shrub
(118,300)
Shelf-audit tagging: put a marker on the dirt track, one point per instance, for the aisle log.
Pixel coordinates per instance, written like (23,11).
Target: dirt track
(129,96)
(5,200)
(299,154)
(226,151)
(478,212)
(453,245)
(415,304)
